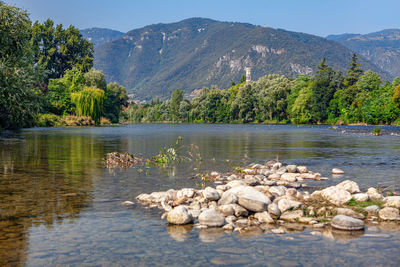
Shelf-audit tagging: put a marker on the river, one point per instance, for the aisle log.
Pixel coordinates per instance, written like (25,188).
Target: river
(59,205)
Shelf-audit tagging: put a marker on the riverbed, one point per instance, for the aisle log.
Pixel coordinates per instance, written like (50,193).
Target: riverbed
(59,205)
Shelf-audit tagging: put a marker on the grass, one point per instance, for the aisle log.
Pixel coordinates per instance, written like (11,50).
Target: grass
(363,204)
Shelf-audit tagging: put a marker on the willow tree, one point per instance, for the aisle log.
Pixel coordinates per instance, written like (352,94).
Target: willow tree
(89,102)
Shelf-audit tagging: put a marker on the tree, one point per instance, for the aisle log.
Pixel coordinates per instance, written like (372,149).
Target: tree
(95,78)
(57,49)
(244,103)
(89,102)
(19,77)
(115,99)
(354,72)
(396,96)
(176,98)
(242,79)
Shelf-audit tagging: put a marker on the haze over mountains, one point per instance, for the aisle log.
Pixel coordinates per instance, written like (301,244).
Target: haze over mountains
(153,61)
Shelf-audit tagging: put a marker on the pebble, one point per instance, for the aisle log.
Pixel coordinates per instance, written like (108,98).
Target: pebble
(337,171)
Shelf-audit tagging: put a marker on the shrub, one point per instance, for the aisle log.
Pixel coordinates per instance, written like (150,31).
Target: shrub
(47,120)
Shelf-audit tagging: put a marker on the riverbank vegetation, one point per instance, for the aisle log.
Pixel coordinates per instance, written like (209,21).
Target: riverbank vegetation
(328,96)
(47,76)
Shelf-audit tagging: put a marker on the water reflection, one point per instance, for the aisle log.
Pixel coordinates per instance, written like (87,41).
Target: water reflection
(45,179)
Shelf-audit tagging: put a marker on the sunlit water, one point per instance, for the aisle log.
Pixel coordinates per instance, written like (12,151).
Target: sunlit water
(60,206)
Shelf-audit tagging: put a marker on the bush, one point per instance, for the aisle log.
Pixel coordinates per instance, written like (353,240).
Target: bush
(77,121)
(104,121)
(47,120)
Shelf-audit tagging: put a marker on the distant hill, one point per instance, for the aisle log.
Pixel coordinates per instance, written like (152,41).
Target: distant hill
(155,60)
(99,36)
(381,48)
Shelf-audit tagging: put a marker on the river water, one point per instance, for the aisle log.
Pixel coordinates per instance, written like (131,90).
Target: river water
(59,205)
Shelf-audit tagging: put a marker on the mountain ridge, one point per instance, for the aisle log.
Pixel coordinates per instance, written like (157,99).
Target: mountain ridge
(156,59)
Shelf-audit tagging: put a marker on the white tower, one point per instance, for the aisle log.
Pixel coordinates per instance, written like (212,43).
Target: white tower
(248,74)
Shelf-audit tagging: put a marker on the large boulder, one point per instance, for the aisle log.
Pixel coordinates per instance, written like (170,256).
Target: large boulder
(344,222)
(179,215)
(390,214)
(210,194)
(374,194)
(336,195)
(393,201)
(349,186)
(211,217)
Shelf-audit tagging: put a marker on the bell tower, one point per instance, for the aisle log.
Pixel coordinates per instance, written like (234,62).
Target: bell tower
(248,74)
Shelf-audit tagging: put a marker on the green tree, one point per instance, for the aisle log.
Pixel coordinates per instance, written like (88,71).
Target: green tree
(57,49)
(396,96)
(244,104)
(242,79)
(20,78)
(115,99)
(176,98)
(89,102)
(95,78)
(354,72)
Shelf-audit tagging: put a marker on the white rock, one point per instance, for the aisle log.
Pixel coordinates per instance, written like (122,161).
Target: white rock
(188,192)
(277,190)
(289,177)
(226,210)
(390,214)
(337,171)
(349,186)
(373,209)
(350,213)
(393,201)
(374,194)
(361,197)
(274,209)
(336,195)
(127,203)
(228,198)
(235,183)
(344,222)
(179,215)
(292,216)
(274,176)
(251,199)
(286,204)
(264,217)
(210,194)
(291,168)
(240,211)
(302,169)
(211,217)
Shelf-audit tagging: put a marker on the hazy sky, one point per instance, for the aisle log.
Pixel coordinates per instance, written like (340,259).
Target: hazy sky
(320,17)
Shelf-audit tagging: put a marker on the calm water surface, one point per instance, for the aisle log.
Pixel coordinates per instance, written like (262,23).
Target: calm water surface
(60,206)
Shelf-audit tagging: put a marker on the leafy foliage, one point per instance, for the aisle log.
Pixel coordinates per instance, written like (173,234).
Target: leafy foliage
(89,102)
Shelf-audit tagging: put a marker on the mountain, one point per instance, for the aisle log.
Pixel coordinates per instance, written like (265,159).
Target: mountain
(99,36)
(153,61)
(381,48)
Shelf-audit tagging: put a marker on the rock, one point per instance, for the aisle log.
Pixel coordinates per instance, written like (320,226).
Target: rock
(281,170)
(143,198)
(293,185)
(361,197)
(235,183)
(240,211)
(210,194)
(264,217)
(265,172)
(389,214)
(350,213)
(292,216)
(269,182)
(274,176)
(242,223)
(344,222)
(228,227)
(286,204)
(231,219)
(188,192)
(310,211)
(250,198)
(226,210)
(393,201)
(349,186)
(249,171)
(336,195)
(321,211)
(291,168)
(274,209)
(277,190)
(251,180)
(291,193)
(195,213)
(222,187)
(337,171)
(374,194)
(232,177)
(289,177)
(179,201)
(179,215)
(211,217)
(127,203)
(277,166)
(278,231)
(228,198)
(302,169)
(373,209)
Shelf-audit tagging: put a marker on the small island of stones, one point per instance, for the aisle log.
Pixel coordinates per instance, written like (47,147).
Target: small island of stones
(268,196)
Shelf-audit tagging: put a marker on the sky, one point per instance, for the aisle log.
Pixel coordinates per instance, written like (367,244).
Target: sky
(319,17)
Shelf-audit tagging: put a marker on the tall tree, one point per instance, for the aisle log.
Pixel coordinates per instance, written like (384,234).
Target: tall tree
(19,76)
(57,49)
(354,73)
(176,98)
